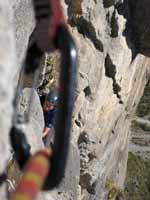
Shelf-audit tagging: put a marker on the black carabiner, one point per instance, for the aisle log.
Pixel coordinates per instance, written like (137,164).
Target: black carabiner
(67,47)
(64,42)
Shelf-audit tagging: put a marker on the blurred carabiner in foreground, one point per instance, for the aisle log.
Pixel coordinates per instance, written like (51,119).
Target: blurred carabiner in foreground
(51,33)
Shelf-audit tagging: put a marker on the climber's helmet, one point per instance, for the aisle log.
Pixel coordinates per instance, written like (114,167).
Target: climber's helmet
(50,101)
(53,97)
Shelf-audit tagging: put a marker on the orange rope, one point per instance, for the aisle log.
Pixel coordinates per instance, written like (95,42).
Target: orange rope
(34,175)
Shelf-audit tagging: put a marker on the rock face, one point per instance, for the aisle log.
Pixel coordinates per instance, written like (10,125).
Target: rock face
(9,67)
(111,79)
(24,23)
(36,122)
(113,67)
(7,63)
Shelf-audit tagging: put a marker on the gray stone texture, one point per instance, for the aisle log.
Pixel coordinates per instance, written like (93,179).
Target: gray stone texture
(23,24)
(110,83)
(7,71)
(34,128)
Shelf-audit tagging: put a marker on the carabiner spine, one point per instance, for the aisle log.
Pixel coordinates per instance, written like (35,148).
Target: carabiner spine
(65,43)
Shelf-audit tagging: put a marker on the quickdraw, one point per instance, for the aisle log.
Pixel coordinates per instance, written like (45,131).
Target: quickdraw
(51,33)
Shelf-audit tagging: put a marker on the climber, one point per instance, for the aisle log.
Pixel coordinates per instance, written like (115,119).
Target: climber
(49,109)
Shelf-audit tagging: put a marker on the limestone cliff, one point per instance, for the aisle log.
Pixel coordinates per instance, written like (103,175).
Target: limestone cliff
(113,51)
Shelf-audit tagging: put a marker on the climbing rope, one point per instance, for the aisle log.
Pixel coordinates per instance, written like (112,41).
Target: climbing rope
(34,174)
(46,168)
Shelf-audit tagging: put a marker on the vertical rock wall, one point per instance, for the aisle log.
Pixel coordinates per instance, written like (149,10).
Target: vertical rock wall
(16,24)
(7,70)
(111,78)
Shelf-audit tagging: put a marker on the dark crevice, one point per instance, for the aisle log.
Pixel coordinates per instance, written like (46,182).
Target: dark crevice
(110,71)
(92,188)
(87,91)
(83,138)
(86,28)
(92,156)
(108,3)
(114,26)
(78,123)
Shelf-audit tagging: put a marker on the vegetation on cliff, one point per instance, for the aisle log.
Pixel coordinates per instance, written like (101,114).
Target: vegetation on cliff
(137,185)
